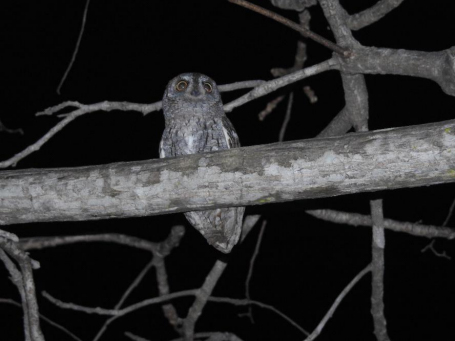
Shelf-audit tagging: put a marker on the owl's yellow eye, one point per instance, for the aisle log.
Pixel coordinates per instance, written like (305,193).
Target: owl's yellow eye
(181,85)
(208,87)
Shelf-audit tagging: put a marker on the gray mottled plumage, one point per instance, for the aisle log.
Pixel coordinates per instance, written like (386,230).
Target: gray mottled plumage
(196,123)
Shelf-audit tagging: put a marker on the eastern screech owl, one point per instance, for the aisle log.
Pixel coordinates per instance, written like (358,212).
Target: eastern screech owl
(195,123)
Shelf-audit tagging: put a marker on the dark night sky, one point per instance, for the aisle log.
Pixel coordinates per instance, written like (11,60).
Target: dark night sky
(129,51)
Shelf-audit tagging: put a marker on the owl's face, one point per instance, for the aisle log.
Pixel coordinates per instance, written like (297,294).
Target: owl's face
(191,87)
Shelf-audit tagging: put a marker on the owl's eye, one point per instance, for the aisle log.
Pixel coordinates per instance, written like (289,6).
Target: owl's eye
(181,85)
(208,87)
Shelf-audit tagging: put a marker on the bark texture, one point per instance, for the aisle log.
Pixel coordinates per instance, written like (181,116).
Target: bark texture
(387,159)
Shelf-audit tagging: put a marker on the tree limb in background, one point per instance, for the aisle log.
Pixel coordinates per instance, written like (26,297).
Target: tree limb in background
(436,66)
(356,219)
(355,91)
(377,271)
(275,84)
(202,295)
(296,27)
(42,317)
(242,302)
(371,15)
(159,250)
(161,276)
(25,283)
(38,243)
(166,298)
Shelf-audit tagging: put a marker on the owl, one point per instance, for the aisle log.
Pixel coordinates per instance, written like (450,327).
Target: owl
(195,122)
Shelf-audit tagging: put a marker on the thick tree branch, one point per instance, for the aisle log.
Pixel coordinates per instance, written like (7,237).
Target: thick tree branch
(372,14)
(436,66)
(355,91)
(386,159)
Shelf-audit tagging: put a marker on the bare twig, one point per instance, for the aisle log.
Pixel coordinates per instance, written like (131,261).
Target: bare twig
(10,131)
(36,243)
(300,58)
(166,298)
(125,295)
(296,27)
(430,247)
(310,94)
(42,317)
(76,49)
(287,117)
(372,14)
(377,270)
(250,269)
(83,109)
(270,107)
(118,312)
(356,219)
(337,302)
(241,302)
(277,83)
(213,336)
(135,337)
(449,215)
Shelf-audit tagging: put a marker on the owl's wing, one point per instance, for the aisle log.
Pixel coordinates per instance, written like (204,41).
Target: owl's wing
(230,135)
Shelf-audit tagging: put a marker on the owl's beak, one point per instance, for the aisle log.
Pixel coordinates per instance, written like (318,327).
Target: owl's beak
(195,92)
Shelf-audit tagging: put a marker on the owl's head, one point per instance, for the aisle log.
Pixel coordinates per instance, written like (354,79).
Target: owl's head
(191,87)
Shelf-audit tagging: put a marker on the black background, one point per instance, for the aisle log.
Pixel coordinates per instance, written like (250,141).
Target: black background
(129,51)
